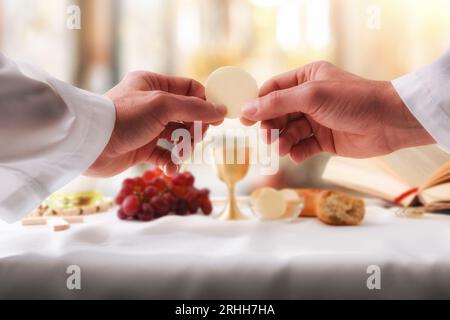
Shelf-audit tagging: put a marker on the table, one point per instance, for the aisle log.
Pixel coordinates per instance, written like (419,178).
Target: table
(201,258)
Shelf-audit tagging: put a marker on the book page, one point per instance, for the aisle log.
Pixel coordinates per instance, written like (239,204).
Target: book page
(436,194)
(414,166)
(363,176)
(440,176)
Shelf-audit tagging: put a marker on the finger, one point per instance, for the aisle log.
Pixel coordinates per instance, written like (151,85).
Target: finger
(174,85)
(305,149)
(247,122)
(162,158)
(280,122)
(295,116)
(280,82)
(304,99)
(277,123)
(183,86)
(218,123)
(170,128)
(274,124)
(286,80)
(166,107)
(171,169)
(295,131)
(203,129)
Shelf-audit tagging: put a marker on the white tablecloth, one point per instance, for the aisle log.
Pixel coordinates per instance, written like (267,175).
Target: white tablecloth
(199,257)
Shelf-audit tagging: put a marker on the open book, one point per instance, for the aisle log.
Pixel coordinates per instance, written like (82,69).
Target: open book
(416,176)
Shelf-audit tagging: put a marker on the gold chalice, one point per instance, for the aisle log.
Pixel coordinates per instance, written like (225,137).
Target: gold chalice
(232,161)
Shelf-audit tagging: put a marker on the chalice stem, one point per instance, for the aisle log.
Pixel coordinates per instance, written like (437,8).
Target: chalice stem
(232,211)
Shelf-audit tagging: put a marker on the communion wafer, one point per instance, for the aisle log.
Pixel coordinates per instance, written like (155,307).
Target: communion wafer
(290,195)
(269,203)
(231,86)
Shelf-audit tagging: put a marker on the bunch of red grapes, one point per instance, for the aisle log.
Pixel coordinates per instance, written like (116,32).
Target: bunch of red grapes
(155,195)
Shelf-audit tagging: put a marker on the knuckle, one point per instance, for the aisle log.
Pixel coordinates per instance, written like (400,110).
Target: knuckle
(195,86)
(323,63)
(315,93)
(158,103)
(136,74)
(158,97)
(273,99)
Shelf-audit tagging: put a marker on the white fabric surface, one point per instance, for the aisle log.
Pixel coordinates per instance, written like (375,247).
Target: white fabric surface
(50,132)
(199,257)
(426,92)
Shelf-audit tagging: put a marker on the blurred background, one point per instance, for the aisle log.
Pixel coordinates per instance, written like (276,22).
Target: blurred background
(378,39)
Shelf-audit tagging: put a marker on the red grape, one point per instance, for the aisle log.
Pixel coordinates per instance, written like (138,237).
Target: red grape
(127,190)
(149,175)
(119,199)
(150,192)
(160,205)
(204,193)
(188,178)
(158,183)
(179,191)
(171,200)
(181,207)
(128,182)
(147,208)
(184,179)
(193,207)
(193,198)
(139,183)
(121,214)
(145,216)
(206,206)
(131,205)
(158,172)
(155,195)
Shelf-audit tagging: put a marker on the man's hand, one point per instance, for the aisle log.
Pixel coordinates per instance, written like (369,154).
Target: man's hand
(320,108)
(150,107)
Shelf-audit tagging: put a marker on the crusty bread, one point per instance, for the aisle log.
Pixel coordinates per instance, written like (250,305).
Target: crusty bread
(332,207)
(311,198)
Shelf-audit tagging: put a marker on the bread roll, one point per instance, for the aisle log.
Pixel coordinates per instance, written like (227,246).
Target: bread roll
(332,207)
(311,197)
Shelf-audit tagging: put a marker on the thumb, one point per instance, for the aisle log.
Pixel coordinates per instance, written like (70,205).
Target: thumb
(169,107)
(303,98)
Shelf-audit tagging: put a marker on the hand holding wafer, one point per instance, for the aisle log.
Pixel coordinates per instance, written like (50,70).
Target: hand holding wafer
(149,107)
(320,108)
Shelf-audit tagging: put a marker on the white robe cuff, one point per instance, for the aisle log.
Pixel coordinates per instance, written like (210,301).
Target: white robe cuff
(426,92)
(45,163)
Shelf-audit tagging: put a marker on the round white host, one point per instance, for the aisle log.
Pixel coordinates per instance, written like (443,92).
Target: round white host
(269,203)
(231,86)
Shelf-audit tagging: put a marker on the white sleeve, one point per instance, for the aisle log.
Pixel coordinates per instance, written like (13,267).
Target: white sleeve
(50,132)
(426,92)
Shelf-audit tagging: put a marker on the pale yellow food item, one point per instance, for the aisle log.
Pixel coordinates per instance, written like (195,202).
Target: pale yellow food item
(339,209)
(58,224)
(330,207)
(231,86)
(290,195)
(34,221)
(293,201)
(255,194)
(269,203)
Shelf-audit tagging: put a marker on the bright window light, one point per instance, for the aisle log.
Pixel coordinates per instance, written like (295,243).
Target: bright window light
(318,26)
(266,3)
(288,25)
